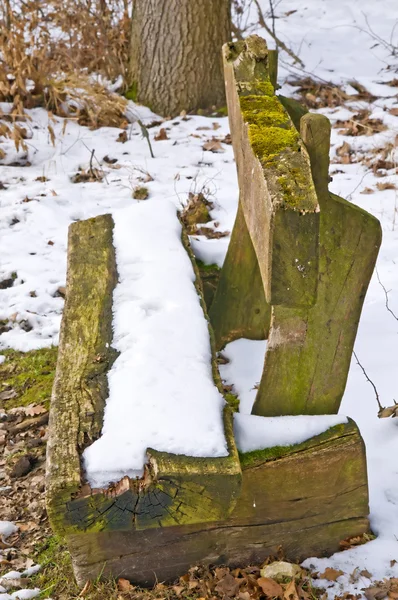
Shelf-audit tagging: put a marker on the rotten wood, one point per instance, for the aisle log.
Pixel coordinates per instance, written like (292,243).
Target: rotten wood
(305,499)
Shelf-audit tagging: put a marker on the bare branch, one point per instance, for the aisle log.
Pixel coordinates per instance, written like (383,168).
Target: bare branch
(386,295)
(370,381)
(279,42)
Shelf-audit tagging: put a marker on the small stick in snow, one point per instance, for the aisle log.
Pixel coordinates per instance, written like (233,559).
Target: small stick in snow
(386,295)
(371,383)
(145,134)
(91,164)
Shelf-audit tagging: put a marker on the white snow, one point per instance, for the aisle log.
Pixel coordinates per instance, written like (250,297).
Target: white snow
(244,369)
(256,433)
(161,389)
(25,594)
(7,528)
(31,570)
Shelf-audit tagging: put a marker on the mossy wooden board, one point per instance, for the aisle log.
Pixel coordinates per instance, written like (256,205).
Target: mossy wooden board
(277,193)
(175,489)
(306,499)
(239,308)
(309,350)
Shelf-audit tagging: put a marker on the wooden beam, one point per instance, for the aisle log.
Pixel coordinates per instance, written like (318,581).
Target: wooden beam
(277,193)
(239,308)
(305,498)
(309,350)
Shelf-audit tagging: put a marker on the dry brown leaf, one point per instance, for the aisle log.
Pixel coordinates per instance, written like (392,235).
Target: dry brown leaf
(331,574)
(193,584)
(367,190)
(290,592)
(377,592)
(8,395)
(122,137)
(271,588)
(360,124)
(385,185)
(213,145)
(123,585)
(35,409)
(162,135)
(85,589)
(344,152)
(228,586)
(210,233)
(178,589)
(365,573)
(393,112)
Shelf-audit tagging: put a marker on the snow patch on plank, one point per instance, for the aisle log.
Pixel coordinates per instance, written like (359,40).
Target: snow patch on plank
(257,433)
(161,389)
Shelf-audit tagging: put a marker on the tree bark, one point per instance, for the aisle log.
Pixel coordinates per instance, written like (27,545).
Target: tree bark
(176,61)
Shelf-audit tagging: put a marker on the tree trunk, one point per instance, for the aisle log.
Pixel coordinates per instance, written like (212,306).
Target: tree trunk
(176,61)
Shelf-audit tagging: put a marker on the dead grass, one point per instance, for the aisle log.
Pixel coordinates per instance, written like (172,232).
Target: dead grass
(54,55)
(315,94)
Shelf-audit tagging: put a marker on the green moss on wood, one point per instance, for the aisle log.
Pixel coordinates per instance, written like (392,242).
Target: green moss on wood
(209,275)
(239,308)
(256,457)
(294,109)
(233,401)
(269,142)
(263,111)
(30,375)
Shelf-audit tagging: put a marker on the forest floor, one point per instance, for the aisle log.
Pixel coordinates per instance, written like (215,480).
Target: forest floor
(71,172)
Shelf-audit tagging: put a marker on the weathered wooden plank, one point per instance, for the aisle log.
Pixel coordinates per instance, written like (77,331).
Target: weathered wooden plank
(305,498)
(84,355)
(174,489)
(239,308)
(309,350)
(277,193)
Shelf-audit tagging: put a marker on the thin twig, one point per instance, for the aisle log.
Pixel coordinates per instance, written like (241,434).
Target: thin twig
(90,168)
(370,381)
(386,295)
(145,134)
(91,164)
(271,6)
(279,42)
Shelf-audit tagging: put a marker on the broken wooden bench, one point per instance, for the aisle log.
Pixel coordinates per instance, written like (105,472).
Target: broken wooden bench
(291,256)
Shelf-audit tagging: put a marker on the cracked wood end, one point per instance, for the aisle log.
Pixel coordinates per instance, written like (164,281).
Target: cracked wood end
(305,498)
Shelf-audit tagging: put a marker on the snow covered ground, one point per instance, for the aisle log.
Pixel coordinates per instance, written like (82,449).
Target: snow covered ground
(340,41)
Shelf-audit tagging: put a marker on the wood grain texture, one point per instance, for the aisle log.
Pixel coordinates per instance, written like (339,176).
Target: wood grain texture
(84,356)
(306,500)
(239,308)
(277,193)
(309,350)
(176,59)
